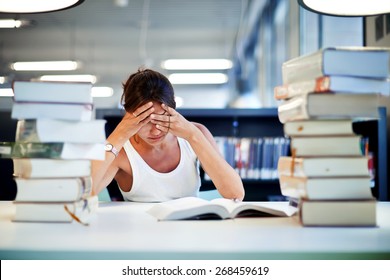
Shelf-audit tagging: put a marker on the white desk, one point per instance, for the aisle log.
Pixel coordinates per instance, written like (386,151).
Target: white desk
(122,230)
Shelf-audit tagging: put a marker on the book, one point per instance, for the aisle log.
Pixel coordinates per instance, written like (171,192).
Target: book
(71,112)
(51,168)
(323,166)
(52,130)
(366,62)
(346,213)
(81,211)
(329,106)
(326,146)
(353,85)
(60,92)
(319,127)
(195,208)
(54,150)
(326,188)
(53,189)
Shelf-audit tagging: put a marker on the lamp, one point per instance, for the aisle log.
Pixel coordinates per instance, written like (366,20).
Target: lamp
(13,23)
(66,65)
(36,6)
(70,78)
(347,8)
(197,78)
(197,64)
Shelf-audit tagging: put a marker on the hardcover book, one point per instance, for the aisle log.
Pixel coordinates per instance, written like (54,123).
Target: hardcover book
(327,146)
(51,168)
(319,127)
(366,62)
(51,130)
(82,211)
(332,84)
(329,106)
(61,111)
(326,188)
(323,166)
(194,208)
(54,150)
(347,213)
(53,189)
(59,92)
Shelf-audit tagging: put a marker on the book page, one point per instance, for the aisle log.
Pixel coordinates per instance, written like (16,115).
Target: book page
(188,208)
(256,209)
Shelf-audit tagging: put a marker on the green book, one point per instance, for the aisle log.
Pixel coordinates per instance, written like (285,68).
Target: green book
(55,150)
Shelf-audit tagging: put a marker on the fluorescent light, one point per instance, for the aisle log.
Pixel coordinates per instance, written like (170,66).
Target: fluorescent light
(179,101)
(66,65)
(197,64)
(347,7)
(36,6)
(12,23)
(102,92)
(2,79)
(69,78)
(198,78)
(5,92)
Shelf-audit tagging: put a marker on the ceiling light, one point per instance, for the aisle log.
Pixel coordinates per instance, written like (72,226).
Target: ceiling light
(13,23)
(69,78)
(198,78)
(36,6)
(2,79)
(102,92)
(348,8)
(45,66)
(6,92)
(197,64)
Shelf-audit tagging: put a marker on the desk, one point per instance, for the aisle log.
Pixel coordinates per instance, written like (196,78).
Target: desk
(122,230)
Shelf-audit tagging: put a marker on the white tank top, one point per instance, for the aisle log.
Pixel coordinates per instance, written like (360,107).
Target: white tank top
(152,186)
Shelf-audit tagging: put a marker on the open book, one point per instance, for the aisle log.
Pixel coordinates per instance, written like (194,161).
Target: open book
(194,208)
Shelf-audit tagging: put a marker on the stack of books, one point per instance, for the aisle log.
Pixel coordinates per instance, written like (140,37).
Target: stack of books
(322,95)
(56,140)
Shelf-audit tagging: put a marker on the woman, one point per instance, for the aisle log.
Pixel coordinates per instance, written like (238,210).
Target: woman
(153,152)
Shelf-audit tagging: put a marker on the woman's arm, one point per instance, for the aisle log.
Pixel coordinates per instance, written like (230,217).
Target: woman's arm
(103,172)
(224,177)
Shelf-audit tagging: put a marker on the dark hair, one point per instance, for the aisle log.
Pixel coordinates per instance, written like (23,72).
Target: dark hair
(147,85)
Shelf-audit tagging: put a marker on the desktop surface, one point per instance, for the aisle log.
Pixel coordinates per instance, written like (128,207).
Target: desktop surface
(123,230)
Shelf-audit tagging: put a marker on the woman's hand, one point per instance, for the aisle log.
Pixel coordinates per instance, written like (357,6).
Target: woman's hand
(132,122)
(172,122)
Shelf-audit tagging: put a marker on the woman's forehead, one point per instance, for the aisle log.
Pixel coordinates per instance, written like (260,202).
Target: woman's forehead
(157,108)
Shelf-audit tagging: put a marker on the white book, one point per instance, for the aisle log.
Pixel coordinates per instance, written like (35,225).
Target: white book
(326,188)
(369,62)
(347,213)
(71,112)
(51,130)
(353,85)
(323,166)
(319,127)
(329,106)
(196,208)
(57,212)
(53,189)
(51,168)
(60,92)
(317,146)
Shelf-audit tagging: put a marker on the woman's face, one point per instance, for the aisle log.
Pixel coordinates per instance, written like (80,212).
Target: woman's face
(149,133)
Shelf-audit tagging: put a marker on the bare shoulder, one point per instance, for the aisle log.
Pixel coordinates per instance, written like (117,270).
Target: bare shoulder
(206,132)
(202,128)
